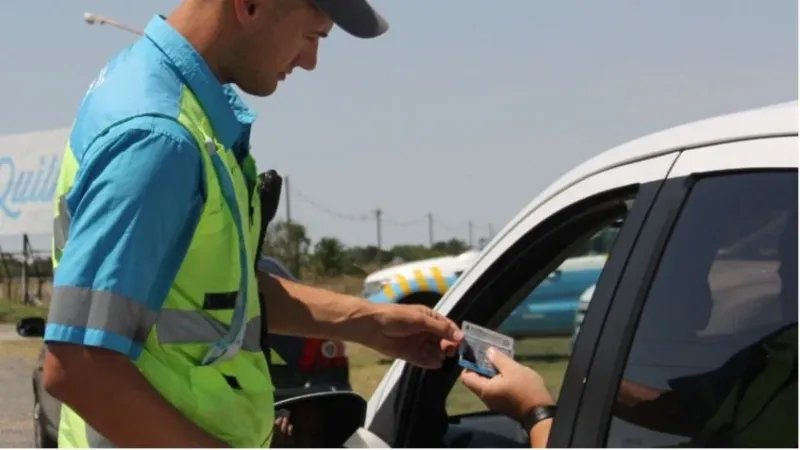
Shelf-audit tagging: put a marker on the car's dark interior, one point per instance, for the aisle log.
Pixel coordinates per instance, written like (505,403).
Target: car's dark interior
(319,420)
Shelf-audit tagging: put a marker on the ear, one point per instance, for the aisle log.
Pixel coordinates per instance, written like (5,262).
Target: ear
(247,10)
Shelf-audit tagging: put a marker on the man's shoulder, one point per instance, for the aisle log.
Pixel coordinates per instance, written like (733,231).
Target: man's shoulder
(136,89)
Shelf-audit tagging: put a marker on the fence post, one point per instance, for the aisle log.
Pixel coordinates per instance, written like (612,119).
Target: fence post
(25,299)
(6,275)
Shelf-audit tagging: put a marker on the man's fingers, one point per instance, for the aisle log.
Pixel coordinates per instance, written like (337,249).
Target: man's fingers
(450,349)
(434,349)
(427,359)
(500,360)
(440,325)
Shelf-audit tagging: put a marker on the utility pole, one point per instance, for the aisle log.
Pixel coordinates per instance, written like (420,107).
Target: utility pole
(491,231)
(378,213)
(430,230)
(469,225)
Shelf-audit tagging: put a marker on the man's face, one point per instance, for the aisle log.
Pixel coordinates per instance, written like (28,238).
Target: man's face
(276,37)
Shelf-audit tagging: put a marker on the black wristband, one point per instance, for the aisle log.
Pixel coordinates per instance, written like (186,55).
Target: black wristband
(537,415)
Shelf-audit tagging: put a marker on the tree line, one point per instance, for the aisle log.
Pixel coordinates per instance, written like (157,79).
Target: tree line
(288,242)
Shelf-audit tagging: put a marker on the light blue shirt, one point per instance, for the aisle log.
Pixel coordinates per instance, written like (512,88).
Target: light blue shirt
(139,190)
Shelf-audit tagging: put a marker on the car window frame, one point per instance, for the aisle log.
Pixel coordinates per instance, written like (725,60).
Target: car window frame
(496,278)
(641,176)
(614,343)
(382,409)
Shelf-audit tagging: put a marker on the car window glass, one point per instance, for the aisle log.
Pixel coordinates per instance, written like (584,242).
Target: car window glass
(713,361)
(544,323)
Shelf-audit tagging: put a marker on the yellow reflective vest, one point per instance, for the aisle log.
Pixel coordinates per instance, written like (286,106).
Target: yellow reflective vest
(207,363)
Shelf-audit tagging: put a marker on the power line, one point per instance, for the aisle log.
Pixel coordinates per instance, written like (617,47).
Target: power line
(405,224)
(322,208)
(381,219)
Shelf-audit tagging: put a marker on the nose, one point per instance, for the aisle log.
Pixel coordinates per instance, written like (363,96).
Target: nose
(307,59)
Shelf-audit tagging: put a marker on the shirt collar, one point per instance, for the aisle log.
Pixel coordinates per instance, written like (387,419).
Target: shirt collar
(230,117)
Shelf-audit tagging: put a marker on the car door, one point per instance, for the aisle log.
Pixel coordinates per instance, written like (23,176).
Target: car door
(712,281)
(410,407)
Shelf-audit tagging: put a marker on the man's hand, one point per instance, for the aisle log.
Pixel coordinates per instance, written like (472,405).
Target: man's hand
(414,333)
(514,391)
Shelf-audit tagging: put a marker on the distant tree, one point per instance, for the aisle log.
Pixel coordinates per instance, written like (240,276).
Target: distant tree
(369,255)
(288,243)
(408,252)
(329,257)
(451,247)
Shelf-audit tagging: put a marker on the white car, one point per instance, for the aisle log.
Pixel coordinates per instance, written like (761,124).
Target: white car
(701,277)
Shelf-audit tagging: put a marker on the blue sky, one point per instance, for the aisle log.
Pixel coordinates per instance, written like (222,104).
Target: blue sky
(465,109)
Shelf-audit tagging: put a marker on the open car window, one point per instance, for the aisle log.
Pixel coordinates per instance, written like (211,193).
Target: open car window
(546,322)
(532,293)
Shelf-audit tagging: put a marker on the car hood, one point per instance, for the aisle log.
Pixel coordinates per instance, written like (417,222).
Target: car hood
(447,264)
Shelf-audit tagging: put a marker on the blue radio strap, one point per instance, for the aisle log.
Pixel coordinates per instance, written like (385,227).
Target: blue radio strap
(229,345)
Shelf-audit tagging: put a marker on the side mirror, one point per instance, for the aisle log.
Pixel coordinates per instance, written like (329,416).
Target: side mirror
(319,420)
(31,327)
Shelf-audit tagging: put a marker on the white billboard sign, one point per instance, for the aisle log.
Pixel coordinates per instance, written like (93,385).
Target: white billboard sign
(29,166)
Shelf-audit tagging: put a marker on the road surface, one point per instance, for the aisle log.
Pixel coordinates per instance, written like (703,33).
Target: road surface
(16,423)
(8,332)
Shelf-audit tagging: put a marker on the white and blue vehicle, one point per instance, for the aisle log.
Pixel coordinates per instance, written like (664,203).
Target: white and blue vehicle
(548,311)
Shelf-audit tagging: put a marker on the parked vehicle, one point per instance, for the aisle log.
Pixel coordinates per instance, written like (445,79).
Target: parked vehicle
(299,366)
(681,306)
(548,311)
(583,308)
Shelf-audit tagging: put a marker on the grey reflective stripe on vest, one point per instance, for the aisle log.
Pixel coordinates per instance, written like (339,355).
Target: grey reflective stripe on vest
(61,224)
(187,327)
(95,439)
(103,310)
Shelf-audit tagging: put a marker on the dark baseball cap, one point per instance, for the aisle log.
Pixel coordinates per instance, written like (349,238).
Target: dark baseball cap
(357,17)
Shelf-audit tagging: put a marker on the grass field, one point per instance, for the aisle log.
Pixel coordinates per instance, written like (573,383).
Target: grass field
(11,312)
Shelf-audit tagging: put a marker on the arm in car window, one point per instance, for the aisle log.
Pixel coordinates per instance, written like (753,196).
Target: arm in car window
(515,391)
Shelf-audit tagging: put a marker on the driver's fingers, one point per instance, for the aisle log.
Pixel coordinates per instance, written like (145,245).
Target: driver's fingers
(473,381)
(500,360)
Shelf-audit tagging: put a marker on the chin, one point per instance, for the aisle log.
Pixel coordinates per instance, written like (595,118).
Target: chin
(259,90)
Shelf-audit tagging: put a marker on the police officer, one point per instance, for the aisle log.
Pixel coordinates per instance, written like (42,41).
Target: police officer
(154,329)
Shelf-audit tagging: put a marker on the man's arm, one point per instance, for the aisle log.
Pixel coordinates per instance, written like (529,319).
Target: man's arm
(414,333)
(314,312)
(136,195)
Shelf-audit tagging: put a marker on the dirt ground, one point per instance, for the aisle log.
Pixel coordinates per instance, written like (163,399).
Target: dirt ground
(16,399)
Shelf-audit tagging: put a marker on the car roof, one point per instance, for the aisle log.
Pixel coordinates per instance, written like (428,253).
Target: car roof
(769,121)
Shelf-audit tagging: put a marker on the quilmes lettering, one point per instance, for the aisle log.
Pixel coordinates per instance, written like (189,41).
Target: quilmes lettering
(24,186)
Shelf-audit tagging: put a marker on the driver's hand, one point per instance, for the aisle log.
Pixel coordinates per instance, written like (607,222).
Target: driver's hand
(514,391)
